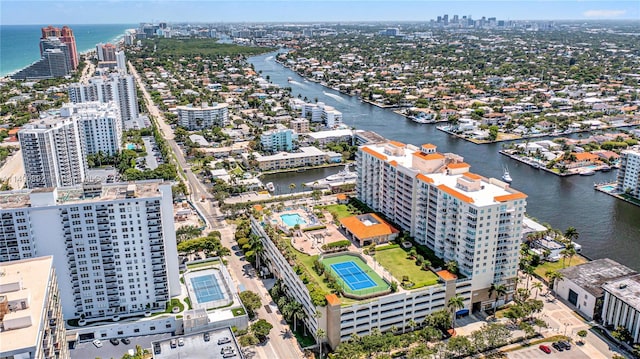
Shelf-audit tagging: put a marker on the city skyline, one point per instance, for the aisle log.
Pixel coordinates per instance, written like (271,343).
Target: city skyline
(119,12)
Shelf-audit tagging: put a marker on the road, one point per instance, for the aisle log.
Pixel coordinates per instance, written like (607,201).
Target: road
(280,345)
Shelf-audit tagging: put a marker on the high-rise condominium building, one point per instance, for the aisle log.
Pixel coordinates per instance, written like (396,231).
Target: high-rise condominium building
(30,313)
(204,116)
(121,62)
(100,125)
(629,172)
(54,149)
(114,245)
(461,216)
(65,34)
(106,52)
(52,153)
(116,87)
(55,62)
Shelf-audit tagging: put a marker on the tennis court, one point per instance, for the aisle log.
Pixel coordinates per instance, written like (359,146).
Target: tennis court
(206,288)
(356,278)
(353,276)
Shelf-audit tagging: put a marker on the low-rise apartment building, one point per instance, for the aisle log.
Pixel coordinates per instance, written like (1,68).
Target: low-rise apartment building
(305,156)
(621,305)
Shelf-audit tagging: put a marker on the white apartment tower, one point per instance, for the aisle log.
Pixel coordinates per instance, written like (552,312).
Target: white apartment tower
(116,87)
(461,216)
(52,153)
(100,125)
(204,116)
(121,61)
(114,245)
(320,112)
(629,172)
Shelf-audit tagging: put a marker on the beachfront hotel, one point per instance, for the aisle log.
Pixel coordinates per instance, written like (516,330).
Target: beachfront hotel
(31,319)
(463,217)
(113,244)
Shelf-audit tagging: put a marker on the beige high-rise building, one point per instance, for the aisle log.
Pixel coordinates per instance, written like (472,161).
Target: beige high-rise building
(31,323)
(461,216)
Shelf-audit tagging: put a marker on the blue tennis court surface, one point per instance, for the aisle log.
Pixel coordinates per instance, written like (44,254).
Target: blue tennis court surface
(353,275)
(206,288)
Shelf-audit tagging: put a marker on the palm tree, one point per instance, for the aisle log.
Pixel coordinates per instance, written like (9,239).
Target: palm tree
(257,247)
(292,186)
(297,312)
(499,291)
(553,276)
(538,286)
(454,304)
(571,234)
(320,334)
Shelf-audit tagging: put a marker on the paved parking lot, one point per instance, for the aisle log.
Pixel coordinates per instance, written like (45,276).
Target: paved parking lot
(87,350)
(153,158)
(535,353)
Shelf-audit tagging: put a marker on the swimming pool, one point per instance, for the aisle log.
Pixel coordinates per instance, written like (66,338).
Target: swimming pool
(131,146)
(206,288)
(608,188)
(292,219)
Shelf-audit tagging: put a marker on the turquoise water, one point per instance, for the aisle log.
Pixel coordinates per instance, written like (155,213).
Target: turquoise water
(608,188)
(292,219)
(131,146)
(19,44)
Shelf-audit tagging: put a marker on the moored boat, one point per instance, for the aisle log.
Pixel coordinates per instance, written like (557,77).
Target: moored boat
(506,177)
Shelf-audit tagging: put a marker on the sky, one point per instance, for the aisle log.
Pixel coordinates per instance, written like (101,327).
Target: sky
(20,12)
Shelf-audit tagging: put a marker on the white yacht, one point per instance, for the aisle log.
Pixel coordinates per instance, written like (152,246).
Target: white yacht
(343,177)
(270,186)
(506,177)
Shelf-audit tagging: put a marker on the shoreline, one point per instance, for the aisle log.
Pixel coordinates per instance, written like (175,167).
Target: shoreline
(600,188)
(116,40)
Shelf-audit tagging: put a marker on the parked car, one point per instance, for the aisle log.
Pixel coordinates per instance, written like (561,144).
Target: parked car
(557,346)
(114,341)
(97,343)
(545,349)
(126,341)
(207,337)
(224,340)
(173,343)
(565,344)
(180,341)
(156,348)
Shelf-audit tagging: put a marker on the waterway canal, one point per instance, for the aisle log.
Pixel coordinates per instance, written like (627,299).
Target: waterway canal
(608,227)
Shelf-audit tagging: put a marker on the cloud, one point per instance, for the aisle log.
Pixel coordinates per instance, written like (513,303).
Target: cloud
(604,13)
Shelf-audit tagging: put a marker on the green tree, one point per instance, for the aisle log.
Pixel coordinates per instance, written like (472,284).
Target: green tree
(320,335)
(261,329)
(499,290)
(493,132)
(251,302)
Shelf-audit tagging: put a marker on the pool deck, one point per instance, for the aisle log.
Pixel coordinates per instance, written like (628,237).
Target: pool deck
(602,187)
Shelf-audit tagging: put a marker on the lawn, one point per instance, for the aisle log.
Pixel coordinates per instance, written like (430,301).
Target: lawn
(554,266)
(203,264)
(395,260)
(340,210)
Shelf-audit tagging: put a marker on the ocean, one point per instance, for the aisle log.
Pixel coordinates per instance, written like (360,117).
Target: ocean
(19,44)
